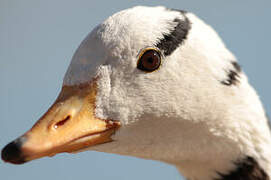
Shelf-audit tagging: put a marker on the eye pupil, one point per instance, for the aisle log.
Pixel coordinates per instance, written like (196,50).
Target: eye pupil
(149,61)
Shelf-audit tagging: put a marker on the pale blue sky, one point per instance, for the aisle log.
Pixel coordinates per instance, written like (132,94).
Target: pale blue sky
(37,40)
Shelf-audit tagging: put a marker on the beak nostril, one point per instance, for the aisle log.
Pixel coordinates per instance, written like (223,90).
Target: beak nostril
(62,122)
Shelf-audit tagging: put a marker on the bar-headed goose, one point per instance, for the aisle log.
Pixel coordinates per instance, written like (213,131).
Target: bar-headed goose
(159,84)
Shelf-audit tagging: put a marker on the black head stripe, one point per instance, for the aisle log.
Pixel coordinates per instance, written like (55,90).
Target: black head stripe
(236,66)
(171,41)
(232,75)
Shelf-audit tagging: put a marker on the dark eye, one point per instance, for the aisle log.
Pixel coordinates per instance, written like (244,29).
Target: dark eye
(149,61)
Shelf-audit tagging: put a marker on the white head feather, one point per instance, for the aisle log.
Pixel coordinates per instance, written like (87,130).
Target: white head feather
(182,113)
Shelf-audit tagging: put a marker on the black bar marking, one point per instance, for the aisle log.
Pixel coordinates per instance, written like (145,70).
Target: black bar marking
(176,37)
(246,169)
(233,75)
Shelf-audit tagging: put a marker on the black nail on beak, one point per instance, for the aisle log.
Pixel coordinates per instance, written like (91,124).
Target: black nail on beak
(12,152)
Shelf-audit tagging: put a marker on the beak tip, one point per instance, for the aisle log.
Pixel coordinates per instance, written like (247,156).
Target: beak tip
(12,152)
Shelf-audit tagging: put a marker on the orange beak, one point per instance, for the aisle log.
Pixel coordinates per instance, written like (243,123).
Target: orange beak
(69,125)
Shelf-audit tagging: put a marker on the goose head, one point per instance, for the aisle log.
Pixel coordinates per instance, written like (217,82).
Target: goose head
(159,84)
